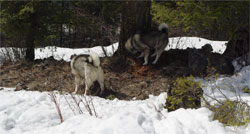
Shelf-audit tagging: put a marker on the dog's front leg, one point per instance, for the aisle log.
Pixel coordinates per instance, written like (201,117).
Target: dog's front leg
(158,54)
(146,54)
(102,86)
(76,88)
(141,55)
(86,90)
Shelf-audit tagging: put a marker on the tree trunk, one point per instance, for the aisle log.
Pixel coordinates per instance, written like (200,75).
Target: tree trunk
(238,45)
(30,52)
(135,16)
(30,38)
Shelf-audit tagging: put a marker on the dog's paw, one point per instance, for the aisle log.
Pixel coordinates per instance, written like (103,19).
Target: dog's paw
(154,62)
(145,63)
(74,92)
(86,93)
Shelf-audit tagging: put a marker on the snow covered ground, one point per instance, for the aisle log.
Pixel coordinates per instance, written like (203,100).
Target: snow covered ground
(195,42)
(60,53)
(230,86)
(27,112)
(176,42)
(31,112)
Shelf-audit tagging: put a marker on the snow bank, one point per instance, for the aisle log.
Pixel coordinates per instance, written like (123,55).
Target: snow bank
(230,86)
(11,53)
(26,112)
(60,53)
(174,43)
(195,42)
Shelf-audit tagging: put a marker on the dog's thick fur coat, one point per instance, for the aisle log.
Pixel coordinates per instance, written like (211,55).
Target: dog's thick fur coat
(145,41)
(87,69)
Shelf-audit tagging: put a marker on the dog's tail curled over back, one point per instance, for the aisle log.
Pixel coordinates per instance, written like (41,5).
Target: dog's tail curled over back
(95,59)
(163,27)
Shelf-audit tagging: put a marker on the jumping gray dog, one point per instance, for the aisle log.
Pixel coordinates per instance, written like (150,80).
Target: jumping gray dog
(145,41)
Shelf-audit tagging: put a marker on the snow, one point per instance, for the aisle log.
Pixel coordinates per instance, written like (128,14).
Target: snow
(230,86)
(195,42)
(176,42)
(27,112)
(60,53)
(33,112)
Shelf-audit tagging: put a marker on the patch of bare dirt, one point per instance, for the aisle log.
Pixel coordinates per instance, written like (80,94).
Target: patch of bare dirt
(47,75)
(121,80)
(41,75)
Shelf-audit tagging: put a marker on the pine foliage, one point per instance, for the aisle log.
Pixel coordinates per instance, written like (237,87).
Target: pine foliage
(218,19)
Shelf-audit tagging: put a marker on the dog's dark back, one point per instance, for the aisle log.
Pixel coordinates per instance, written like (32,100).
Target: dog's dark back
(155,37)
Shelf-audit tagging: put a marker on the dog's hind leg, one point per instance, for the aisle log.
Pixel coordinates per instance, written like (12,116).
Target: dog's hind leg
(97,91)
(146,54)
(158,54)
(153,55)
(102,86)
(86,89)
(78,82)
(88,83)
(101,83)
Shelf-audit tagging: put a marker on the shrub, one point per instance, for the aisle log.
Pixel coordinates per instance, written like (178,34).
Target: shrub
(184,93)
(111,97)
(245,89)
(232,113)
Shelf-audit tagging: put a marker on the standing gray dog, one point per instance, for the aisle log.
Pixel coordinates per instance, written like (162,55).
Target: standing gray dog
(88,69)
(145,41)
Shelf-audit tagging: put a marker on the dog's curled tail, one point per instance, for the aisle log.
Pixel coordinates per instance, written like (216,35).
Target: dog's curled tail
(95,59)
(163,27)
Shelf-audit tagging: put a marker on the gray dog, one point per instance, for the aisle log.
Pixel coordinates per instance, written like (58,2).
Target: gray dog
(145,41)
(88,69)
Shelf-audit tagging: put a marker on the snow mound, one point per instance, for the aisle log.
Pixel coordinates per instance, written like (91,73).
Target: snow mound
(195,42)
(230,86)
(174,43)
(27,112)
(60,53)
